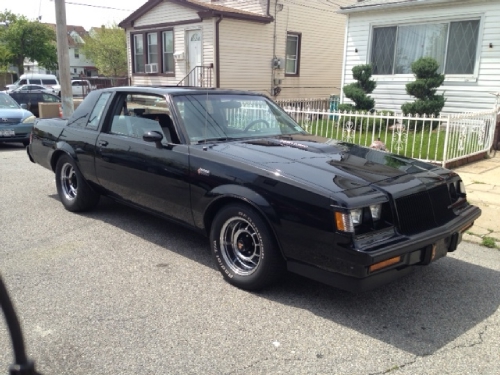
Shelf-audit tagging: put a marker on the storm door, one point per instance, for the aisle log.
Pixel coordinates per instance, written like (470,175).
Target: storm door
(194,57)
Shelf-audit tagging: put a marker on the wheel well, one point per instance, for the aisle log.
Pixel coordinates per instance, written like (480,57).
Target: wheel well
(55,157)
(222,202)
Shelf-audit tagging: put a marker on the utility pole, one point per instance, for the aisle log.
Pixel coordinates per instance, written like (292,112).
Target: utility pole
(63,59)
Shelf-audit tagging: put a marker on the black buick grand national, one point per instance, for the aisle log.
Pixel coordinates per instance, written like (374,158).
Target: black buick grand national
(270,196)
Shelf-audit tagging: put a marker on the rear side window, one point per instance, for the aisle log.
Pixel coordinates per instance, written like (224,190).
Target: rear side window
(49,81)
(50,98)
(98,111)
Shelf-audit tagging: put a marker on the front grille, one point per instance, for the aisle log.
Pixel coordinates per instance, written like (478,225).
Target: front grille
(423,211)
(9,121)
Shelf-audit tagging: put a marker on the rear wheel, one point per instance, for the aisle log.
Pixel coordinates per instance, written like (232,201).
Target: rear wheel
(73,190)
(244,249)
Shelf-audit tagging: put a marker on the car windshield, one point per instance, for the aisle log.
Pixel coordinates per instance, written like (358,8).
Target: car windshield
(6,102)
(214,116)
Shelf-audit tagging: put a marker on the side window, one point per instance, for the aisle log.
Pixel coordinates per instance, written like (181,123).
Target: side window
(97,112)
(22,82)
(35,81)
(49,82)
(136,114)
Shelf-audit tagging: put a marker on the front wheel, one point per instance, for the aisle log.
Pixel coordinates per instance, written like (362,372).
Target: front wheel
(74,192)
(244,249)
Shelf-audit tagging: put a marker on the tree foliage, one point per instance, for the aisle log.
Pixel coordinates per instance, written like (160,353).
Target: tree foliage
(357,91)
(25,39)
(424,88)
(107,48)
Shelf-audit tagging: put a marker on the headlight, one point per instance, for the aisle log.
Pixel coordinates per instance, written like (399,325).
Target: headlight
(461,187)
(357,216)
(29,120)
(376,210)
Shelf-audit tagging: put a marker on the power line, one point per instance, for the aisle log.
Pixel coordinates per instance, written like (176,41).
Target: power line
(98,6)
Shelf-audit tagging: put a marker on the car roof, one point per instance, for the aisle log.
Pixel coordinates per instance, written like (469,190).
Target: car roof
(180,90)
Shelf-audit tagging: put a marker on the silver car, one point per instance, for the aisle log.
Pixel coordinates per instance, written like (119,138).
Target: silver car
(15,121)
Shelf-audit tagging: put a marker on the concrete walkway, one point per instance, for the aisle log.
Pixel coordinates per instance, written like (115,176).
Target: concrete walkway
(482,182)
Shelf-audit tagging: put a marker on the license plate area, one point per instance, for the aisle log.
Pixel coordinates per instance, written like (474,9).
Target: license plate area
(7,133)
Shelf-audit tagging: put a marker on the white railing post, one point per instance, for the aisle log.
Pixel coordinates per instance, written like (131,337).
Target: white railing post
(446,140)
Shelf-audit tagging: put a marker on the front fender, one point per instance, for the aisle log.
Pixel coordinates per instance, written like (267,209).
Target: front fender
(223,194)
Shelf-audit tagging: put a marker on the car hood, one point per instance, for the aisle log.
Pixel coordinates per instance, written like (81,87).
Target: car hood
(320,161)
(13,114)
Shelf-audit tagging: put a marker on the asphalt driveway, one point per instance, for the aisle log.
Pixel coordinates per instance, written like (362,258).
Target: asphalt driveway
(117,291)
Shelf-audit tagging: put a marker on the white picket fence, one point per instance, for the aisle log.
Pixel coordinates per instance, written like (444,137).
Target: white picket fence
(439,140)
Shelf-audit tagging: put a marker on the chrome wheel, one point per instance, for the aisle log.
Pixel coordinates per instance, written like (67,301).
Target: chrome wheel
(69,181)
(241,246)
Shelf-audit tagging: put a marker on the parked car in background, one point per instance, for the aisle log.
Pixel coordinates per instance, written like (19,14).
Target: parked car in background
(270,196)
(32,98)
(81,87)
(16,121)
(47,80)
(39,88)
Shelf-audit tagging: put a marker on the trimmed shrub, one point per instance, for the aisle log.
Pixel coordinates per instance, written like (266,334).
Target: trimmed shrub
(424,89)
(357,91)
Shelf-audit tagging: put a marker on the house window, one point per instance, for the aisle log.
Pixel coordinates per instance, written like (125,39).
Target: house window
(77,53)
(138,54)
(452,44)
(292,62)
(159,50)
(152,48)
(168,51)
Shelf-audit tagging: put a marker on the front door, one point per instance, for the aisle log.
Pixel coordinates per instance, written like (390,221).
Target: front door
(194,56)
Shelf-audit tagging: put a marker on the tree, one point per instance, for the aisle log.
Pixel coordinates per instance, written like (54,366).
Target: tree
(30,40)
(424,89)
(107,48)
(357,91)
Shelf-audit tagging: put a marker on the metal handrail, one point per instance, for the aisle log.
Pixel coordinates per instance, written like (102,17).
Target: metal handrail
(201,75)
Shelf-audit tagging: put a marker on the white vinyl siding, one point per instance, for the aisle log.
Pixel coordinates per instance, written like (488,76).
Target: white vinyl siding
(469,92)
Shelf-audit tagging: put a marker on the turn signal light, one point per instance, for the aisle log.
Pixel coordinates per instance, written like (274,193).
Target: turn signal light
(384,263)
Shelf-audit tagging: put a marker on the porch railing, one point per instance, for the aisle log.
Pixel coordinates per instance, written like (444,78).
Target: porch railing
(199,76)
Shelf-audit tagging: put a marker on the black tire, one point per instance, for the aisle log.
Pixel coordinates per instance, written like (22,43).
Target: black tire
(73,190)
(244,248)
(26,143)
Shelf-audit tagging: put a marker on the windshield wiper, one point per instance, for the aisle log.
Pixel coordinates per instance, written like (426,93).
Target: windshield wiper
(219,139)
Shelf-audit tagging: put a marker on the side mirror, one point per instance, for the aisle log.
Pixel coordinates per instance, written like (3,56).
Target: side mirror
(153,136)
(24,106)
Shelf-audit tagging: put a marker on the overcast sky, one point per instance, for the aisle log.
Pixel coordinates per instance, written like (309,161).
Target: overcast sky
(86,13)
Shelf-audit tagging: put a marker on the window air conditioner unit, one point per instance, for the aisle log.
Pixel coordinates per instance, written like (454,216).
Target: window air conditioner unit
(151,68)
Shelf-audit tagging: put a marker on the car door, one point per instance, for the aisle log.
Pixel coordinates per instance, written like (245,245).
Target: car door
(146,174)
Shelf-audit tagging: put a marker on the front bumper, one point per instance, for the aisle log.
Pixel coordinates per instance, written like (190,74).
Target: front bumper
(416,250)
(22,132)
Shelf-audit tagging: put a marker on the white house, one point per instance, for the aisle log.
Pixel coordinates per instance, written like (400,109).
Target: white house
(463,36)
(79,64)
(288,48)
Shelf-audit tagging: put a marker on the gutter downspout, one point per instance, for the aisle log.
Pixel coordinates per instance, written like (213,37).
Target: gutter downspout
(344,63)
(217,53)
(273,71)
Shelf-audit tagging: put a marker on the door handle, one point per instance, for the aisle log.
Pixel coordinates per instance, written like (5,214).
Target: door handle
(103,143)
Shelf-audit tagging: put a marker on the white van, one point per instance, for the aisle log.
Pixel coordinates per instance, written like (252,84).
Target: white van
(48,80)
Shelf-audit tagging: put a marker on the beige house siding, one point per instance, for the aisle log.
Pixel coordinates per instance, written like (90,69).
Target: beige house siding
(247,48)
(255,6)
(322,44)
(170,13)
(246,52)
(463,93)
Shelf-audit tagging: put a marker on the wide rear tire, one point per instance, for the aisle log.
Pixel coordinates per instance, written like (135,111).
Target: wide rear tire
(244,248)
(73,190)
